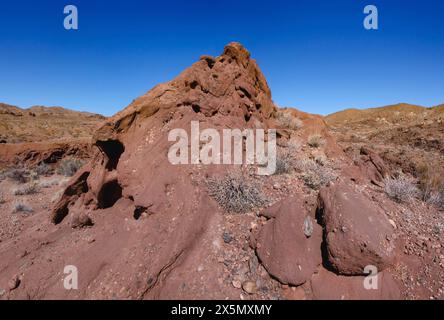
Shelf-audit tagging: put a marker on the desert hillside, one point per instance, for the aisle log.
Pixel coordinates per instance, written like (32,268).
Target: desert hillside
(408,137)
(135,225)
(38,124)
(44,135)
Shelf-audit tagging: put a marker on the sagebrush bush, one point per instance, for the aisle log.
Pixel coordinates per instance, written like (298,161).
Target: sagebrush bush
(284,163)
(235,194)
(18,175)
(401,189)
(437,198)
(315,140)
(431,182)
(68,167)
(315,175)
(287,120)
(49,183)
(31,188)
(20,207)
(44,169)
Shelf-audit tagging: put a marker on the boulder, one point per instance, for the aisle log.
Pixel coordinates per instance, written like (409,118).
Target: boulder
(287,249)
(329,286)
(357,233)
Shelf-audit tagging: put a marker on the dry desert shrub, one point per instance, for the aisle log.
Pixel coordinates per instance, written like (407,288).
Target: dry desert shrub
(31,188)
(20,207)
(235,194)
(401,189)
(287,120)
(315,140)
(431,182)
(49,183)
(18,175)
(68,167)
(284,163)
(314,174)
(44,169)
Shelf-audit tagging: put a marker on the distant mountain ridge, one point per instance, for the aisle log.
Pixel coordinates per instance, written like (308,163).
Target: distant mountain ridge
(40,123)
(391,113)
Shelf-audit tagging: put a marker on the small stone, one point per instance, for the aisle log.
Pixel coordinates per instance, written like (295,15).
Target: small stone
(90,239)
(227,237)
(308,227)
(2,292)
(14,283)
(393,223)
(237,284)
(249,287)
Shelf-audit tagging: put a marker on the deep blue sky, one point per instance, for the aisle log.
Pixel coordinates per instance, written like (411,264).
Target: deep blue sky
(316,55)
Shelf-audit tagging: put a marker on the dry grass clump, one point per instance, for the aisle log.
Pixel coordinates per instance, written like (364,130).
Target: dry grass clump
(431,183)
(18,175)
(31,188)
(49,183)
(314,174)
(235,194)
(68,167)
(315,140)
(284,163)
(401,189)
(44,169)
(287,120)
(20,207)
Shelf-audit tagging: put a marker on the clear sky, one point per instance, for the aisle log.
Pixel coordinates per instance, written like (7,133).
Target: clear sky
(316,55)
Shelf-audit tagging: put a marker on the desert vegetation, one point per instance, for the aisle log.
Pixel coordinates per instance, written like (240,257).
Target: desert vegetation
(20,207)
(315,140)
(31,188)
(236,194)
(401,189)
(69,166)
(44,169)
(314,174)
(18,175)
(288,121)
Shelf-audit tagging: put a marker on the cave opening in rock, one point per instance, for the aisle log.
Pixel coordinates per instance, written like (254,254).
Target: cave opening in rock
(138,211)
(196,108)
(113,149)
(110,193)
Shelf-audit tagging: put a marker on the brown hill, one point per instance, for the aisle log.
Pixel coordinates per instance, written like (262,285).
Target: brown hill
(393,114)
(408,137)
(38,124)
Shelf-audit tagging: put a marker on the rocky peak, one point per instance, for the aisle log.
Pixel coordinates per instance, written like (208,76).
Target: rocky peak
(229,85)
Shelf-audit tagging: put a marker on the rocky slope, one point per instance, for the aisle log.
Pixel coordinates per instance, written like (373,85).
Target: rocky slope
(137,227)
